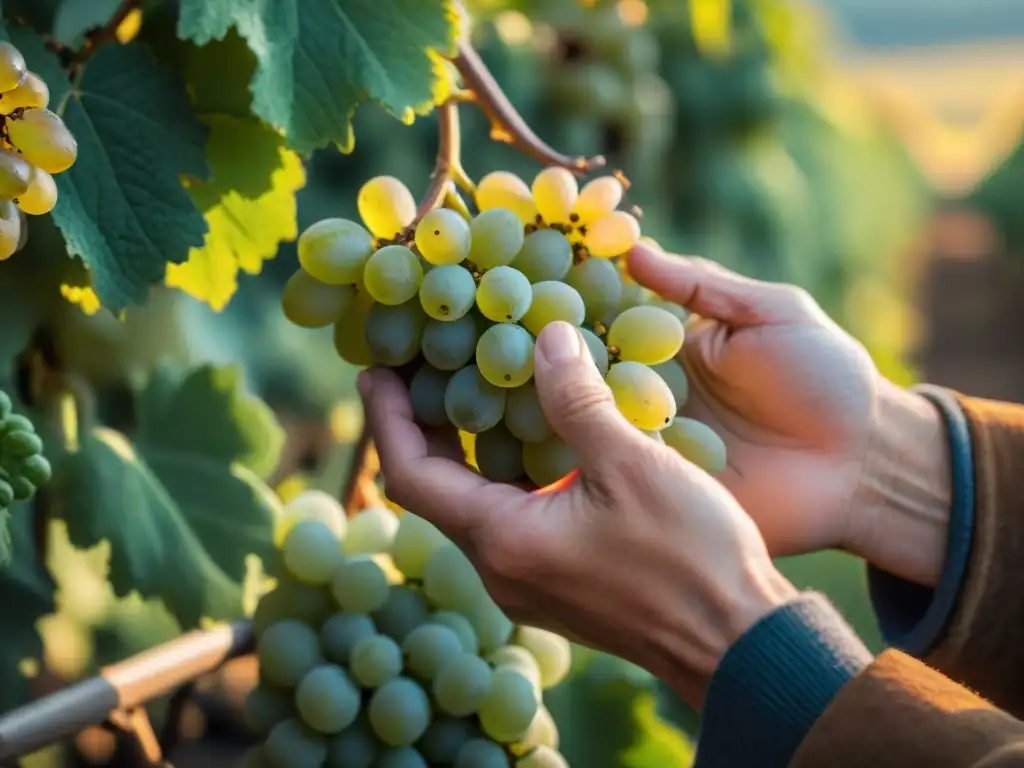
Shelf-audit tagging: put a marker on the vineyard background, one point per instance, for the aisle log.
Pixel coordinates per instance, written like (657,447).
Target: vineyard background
(885,174)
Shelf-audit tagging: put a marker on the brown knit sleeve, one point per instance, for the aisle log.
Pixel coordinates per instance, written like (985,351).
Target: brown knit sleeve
(899,713)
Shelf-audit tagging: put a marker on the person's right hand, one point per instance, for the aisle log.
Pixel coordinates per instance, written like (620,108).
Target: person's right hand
(823,451)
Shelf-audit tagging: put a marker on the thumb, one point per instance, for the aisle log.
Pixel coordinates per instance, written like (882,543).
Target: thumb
(576,401)
(714,292)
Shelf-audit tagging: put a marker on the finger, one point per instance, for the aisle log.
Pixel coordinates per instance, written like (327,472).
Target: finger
(575,399)
(712,291)
(445,492)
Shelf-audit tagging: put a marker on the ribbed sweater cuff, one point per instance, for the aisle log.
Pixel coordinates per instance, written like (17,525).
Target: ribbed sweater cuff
(774,683)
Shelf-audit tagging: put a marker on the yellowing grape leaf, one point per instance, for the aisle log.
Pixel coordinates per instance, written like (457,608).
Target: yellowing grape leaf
(711,21)
(249,204)
(317,60)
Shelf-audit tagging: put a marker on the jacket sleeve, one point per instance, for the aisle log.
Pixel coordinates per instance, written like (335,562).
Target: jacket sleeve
(971,626)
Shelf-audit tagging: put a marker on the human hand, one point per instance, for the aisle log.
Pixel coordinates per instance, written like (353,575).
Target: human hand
(640,554)
(823,451)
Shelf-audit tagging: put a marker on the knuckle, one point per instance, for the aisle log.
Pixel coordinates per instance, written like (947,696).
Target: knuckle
(509,556)
(579,400)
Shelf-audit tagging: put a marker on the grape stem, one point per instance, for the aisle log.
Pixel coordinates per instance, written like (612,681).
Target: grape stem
(360,489)
(448,165)
(507,125)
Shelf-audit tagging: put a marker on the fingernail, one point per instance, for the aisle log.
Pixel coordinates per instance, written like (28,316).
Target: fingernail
(558,342)
(364,383)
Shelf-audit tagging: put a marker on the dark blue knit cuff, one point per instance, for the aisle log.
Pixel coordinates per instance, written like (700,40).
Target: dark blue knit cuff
(774,683)
(911,617)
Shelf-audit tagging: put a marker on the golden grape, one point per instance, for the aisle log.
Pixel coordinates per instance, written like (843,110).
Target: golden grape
(10,229)
(15,174)
(12,66)
(32,92)
(43,139)
(41,195)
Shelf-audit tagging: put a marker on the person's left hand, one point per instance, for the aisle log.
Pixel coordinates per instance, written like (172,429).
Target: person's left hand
(640,554)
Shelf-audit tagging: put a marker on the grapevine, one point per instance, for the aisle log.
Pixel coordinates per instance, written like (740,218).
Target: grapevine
(23,467)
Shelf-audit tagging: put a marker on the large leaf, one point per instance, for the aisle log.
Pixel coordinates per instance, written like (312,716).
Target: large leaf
(184,506)
(318,59)
(249,205)
(26,594)
(122,207)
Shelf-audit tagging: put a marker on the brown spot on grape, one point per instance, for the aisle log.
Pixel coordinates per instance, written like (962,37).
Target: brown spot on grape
(437,231)
(574,217)
(508,377)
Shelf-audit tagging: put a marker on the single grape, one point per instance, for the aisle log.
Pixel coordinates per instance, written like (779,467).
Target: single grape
(6,494)
(12,67)
(19,445)
(545,255)
(448,346)
(443,237)
(311,552)
(291,744)
(265,707)
(524,416)
(697,443)
(503,295)
(335,251)
(552,652)
(326,699)
(375,660)
(504,355)
(542,757)
(386,206)
(543,731)
(597,199)
(645,334)
(460,625)
(404,610)
(519,659)
(450,580)
(312,505)
(553,301)
(10,229)
(15,174)
(399,712)
(426,394)
(370,531)
(43,139)
(41,195)
(394,333)
(671,371)
(598,283)
(36,469)
(461,686)
(612,235)
(497,237)
(414,542)
(22,488)
(509,707)
(393,275)
(502,189)
(428,648)
(472,403)
(16,423)
(598,350)
(448,292)
(350,336)
(341,632)
(499,455)
(31,92)
(493,627)
(354,747)
(360,585)
(287,651)
(480,753)
(401,757)
(641,395)
(293,600)
(548,461)
(445,737)
(554,193)
(308,303)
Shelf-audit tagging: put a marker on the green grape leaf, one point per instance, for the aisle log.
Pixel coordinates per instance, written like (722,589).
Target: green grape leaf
(27,594)
(183,506)
(121,207)
(74,18)
(249,204)
(319,59)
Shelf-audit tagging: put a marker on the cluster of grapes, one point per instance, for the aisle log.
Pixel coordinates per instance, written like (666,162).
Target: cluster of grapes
(23,468)
(380,647)
(458,305)
(34,143)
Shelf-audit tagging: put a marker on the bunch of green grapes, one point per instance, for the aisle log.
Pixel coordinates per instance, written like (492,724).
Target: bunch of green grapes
(457,304)
(380,648)
(34,144)
(23,467)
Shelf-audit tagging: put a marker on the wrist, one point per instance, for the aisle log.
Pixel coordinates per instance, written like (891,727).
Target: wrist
(900,512)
